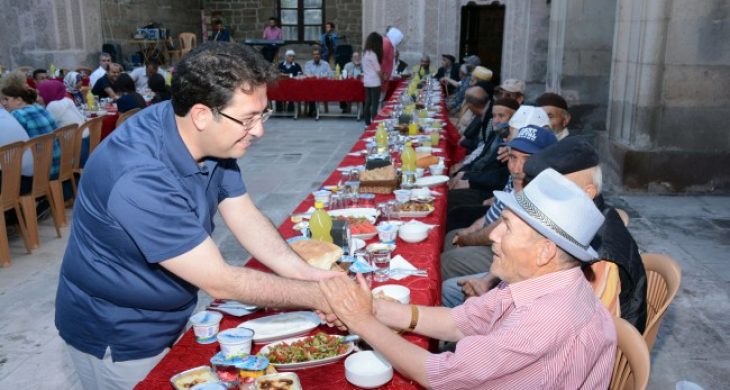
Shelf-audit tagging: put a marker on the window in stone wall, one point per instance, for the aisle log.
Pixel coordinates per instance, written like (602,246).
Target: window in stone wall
(301,20)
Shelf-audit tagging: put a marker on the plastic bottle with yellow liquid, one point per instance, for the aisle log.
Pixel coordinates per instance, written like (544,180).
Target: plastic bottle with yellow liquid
(320,224)
(408,158)
(90,102)
(381,138)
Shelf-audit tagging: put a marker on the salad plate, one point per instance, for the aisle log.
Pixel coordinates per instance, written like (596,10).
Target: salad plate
(316,350)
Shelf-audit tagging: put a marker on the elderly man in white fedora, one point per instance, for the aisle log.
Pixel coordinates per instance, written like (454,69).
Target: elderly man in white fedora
(541,327)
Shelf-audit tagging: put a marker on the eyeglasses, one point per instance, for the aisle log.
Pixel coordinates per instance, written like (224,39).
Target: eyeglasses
(250,123)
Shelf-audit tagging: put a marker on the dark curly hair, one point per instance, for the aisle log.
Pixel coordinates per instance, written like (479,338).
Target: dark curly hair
(28,95)
(124,83)
(212,72)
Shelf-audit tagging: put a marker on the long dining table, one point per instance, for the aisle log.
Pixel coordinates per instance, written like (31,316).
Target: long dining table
(187,353)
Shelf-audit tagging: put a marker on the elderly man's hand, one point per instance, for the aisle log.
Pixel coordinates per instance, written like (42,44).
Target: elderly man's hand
(503,154)
(452,182)
(351,302)
(478,286)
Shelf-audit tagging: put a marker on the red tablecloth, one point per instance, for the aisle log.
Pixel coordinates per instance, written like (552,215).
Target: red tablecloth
(424,291)
(317,90)
(108,124)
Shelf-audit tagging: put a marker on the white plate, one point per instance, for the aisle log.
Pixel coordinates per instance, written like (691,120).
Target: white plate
(280,326)
(357,244)
(234,308)
(429,181)
(415,214)
(301,365)
(368,212)
(365,236)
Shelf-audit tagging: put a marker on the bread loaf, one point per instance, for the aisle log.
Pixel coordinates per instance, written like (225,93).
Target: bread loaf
(319,254)
(425,162)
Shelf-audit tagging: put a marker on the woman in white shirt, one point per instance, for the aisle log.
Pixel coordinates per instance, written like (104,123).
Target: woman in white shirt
(372,76)
(62,109)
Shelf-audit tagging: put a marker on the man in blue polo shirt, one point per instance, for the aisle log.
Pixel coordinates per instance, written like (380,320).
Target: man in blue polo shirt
(140,244)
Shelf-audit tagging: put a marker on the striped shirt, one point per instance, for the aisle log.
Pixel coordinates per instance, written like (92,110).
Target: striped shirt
(37,121)
(495,211)
(549,332)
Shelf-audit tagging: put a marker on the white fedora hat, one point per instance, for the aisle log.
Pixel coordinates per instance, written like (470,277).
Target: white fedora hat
(559,210)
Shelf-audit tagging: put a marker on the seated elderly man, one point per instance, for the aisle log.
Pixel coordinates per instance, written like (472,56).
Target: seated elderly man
(316,68)
(576,158)
(480,76)
(557,109)
(462,194)
(542,327)
(512,88)
(619,280)
(473,254)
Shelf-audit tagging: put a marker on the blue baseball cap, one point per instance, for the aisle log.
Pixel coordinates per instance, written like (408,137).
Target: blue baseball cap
(532,139)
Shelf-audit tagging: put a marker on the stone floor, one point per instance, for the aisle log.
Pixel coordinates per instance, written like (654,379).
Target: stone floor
(292,159)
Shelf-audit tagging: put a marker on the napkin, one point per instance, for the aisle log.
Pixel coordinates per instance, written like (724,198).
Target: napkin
(399,262)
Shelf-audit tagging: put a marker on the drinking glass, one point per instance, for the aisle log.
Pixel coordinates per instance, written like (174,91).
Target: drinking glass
(380,261)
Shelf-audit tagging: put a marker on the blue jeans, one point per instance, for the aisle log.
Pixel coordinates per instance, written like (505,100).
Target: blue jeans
(452,294)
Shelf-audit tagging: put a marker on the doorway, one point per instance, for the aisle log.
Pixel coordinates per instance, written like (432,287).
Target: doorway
(482,32)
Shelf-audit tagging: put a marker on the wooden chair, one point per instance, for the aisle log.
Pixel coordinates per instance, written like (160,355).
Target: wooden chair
(69,137)
(94,126)
(624,216)
(188,41)
(42,149)
(10,162)
(632,365)
(173,54)
(663,276)
(123,117)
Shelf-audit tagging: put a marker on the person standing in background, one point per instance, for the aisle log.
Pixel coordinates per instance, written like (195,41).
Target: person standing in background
(329,43)
(373,76)
(272,32)
(220,33)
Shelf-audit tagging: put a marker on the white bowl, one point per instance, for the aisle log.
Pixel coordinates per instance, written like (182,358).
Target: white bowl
(402,196)
(400,293)
(413,232)
(368,370)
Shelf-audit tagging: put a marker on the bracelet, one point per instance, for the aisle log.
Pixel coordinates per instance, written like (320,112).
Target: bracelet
(414,319)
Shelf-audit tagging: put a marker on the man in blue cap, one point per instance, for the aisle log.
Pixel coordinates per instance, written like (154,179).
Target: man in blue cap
(474,254)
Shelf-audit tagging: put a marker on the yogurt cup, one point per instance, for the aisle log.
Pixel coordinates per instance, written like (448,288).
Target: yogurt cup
(387,233)
(322,196)
(235,341)
(205,326)
(436,169)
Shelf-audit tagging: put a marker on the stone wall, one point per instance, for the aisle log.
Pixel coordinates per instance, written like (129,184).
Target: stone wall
(37,33)
(579,58)
(247,19)
(121,18)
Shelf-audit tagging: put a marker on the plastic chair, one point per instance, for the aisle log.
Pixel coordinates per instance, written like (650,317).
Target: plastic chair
(173,54)
(42,149)
(69,137)
(94,126)
(123,117)
(663,276)
(188,41)
(10,162)
(624,216)
(632,365)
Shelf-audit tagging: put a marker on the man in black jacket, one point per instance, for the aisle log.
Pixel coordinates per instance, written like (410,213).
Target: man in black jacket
(450,69)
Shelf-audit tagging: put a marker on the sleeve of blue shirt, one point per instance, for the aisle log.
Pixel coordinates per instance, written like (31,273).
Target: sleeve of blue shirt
(232,184)
(157,213)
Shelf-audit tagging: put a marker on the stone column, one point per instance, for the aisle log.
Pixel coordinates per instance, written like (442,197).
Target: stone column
(669,99)
(66,33)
